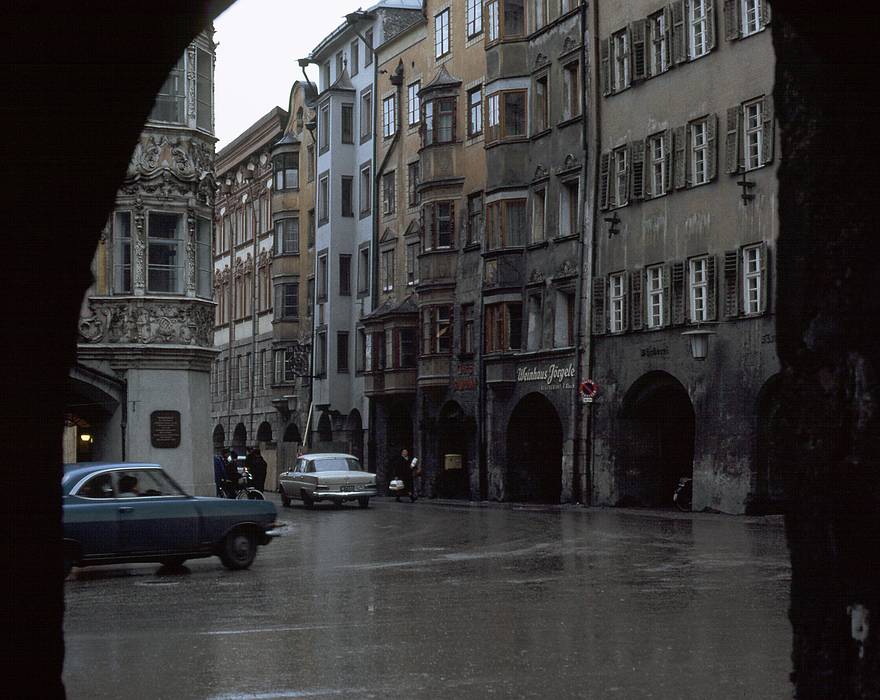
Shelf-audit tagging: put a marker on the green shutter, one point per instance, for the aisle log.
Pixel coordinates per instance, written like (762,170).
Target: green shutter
(767,128)
(637,170)
(712,286)
(731,284)
(765,280)
(733,150)
(712,146)
(732,29)
(639,50)
(605,60)
(679,33)
(604,173)
(635,293)
(710,24)
(678,293)
(679,145)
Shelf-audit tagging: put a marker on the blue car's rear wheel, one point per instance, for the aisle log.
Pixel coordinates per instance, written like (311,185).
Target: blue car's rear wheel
(238,550)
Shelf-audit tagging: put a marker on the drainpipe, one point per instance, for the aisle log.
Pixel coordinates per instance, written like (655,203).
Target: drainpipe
(577,410)
(254,321)
(597,146)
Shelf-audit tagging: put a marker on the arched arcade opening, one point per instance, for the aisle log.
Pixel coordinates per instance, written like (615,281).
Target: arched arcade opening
(455,440)
(655,441)
(534,452)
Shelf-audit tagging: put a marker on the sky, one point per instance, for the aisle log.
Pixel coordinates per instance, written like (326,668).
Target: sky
(259,43)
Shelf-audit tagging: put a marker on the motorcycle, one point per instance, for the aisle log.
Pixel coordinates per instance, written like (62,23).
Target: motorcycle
(683,494)
(244,489)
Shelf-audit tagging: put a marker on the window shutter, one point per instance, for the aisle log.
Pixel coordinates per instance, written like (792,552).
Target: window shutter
(648,176)
(711,290)
(765,12)
(452,243)
(679,35)
(637,170)
(679,145)
(767,135)
(678,293)
(712,146)
(667,35)
(604,167)
(605,60)
(635,294)
(732,151)
(710,24)
(599,321)
(731,283)
(732,29)
(667,160)
(765,281)
(667,297)
(639,62)
(454,117)
(625,301)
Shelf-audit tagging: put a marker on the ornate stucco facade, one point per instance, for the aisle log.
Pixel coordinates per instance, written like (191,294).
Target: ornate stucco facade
(140,387)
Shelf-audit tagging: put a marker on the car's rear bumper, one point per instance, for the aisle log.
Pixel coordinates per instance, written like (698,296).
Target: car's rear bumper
(343,495)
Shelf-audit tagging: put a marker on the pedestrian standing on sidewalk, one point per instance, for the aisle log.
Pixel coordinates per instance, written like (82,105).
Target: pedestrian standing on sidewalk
(415,478)
(258,469)
(399,469)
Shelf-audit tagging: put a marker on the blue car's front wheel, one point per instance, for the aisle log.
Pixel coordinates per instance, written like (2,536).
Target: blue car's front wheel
(238,550)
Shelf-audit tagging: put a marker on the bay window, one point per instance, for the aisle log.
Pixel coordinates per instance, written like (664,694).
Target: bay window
(503,326)
(438,225)
(437,330)
(506,224)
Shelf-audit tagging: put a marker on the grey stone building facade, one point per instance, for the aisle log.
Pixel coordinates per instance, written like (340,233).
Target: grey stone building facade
(244,247)
(140,389)
(689,222)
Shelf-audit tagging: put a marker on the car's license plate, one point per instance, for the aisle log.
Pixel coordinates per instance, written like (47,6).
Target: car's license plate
(350,487)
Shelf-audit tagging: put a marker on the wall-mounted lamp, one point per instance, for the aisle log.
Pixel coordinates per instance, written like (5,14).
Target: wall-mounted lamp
(614,221)
(85,437)
(698,340)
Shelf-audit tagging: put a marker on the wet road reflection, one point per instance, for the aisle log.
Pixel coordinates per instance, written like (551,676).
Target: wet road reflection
(423,601)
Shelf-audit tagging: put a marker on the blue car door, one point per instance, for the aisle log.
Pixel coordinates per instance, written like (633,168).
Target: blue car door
(154,515)
(91,517)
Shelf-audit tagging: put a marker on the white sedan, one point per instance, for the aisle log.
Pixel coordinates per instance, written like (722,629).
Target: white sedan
(327,477)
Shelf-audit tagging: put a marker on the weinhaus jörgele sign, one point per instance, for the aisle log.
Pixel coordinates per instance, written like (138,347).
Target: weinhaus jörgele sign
(553,376)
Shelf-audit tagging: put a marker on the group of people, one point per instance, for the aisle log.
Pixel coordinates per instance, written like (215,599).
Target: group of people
(226,475)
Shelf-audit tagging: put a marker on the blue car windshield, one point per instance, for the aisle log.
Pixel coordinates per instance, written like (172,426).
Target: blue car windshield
(335,464)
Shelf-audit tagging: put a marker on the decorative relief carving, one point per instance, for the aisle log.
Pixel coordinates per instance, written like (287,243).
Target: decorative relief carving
(570,162)
(140,245)
(536,277)
(191,251)
(540,172)
(566,269)
(147,321)
(540,60)
(568,44)
(191,81)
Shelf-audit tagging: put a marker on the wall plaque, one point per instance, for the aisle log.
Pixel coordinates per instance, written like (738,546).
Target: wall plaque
(165,428)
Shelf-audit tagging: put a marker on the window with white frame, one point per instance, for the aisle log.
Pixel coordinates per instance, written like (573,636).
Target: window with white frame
(698,22)
(363,270)
(389,192)
(204,267)
(616,301)
(621,176)
(289,293)
(539,12)
(571,91)
(388,270)
(164,247)
(659,58)
(654,293)
(122,252)
(535,321)
(286,168)
(493,26)
(475,218)
(324,198)
(322,277)
(539,215)
(753,133)
(437,330)
(287,236)
(620,60)
(750,16)
(493,120)
(324,127)
(569,197)
(412,103)
(321,354)
(388,117)
(475,111)
(752,272)
(474,18)
(467,328)
(699,152)
(412,184)
(698,283)
(365,192)
(541,105)
(347,112)
(366,115)
(412,264)
(441,33)
(657,155)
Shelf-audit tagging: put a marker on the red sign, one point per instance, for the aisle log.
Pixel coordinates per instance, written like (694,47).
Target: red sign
(589,388)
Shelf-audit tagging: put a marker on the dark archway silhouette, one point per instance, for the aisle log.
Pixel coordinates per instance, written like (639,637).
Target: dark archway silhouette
(219,437)
(534,452)
(400,428)
(455,435)
(768,478)
(264,432)
(291,434)
(325,428)
(655,440)
(239,437)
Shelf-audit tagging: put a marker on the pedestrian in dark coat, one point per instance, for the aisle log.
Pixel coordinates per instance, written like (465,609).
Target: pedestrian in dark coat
(258,469)
(400,470)
(220,470)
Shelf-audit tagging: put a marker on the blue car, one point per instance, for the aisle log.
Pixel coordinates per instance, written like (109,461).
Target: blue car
(127,512)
